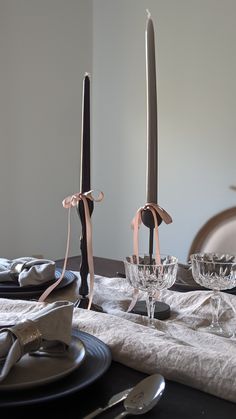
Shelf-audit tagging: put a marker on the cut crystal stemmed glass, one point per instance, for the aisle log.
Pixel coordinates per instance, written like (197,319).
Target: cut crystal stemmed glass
(151,277)
(216,272)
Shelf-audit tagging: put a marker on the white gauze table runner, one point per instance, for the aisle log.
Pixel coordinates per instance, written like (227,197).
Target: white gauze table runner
(175,348)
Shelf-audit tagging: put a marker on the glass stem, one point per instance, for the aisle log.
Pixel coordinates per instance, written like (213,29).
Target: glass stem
(151,304)
(148,306)
(215,305)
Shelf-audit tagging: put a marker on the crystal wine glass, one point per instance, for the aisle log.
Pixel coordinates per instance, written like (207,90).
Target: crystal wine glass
(151,277)
(216,272)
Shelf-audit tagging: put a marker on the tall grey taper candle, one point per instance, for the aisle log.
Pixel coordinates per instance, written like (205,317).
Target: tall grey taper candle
(152,138)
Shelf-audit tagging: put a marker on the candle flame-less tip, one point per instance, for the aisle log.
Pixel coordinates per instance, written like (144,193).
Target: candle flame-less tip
(87,74)
(148,14)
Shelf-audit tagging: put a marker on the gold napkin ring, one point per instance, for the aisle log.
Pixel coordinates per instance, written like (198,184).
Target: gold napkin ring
(28,335)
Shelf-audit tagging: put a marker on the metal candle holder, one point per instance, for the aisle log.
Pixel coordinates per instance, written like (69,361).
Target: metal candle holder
(148,221)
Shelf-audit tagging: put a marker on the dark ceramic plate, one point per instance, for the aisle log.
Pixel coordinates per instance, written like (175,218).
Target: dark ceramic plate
(13,290)
(97,361)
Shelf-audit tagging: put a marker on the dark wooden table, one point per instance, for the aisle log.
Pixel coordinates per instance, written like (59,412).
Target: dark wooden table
(178,401)
(102,266)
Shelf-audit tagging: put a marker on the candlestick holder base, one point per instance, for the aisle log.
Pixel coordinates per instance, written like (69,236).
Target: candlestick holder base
(162,310)
(82,302)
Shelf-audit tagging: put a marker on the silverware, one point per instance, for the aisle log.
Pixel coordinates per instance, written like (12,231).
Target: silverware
(117,398)
(61,350)
(56,353)
(144,396)
(49,354)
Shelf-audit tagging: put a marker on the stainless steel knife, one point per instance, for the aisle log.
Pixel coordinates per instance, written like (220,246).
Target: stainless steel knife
(117,398)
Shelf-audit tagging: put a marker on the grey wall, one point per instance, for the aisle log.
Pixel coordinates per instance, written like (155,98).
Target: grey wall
(196,67)
(45,49)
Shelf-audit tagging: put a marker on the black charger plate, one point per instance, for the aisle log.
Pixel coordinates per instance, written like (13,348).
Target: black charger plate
(13,290)
(97,361)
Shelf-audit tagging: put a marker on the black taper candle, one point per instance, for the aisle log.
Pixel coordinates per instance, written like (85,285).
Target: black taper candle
(85,183)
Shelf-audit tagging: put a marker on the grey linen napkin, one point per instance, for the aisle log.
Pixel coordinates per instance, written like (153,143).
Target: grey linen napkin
(27,270)
(49,326)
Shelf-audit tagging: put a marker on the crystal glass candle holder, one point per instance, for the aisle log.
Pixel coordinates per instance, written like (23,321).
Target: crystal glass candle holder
(151,277)
(216,272)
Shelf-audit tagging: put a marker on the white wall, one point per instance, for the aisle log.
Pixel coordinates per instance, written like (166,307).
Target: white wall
(45,49)
(196,67)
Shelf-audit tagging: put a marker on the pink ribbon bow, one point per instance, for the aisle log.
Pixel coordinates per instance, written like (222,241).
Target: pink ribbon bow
(137,220)
(69,202)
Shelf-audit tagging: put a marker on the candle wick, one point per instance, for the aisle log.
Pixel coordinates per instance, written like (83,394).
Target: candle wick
(148,14)
(87,74)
